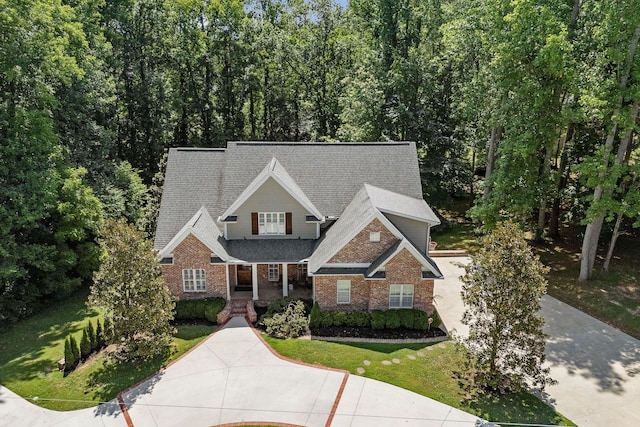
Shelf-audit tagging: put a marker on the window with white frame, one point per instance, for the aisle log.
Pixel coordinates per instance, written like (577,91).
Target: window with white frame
(374,236)
(193,280)
(271,223)
(302,271)
(400,296)
(274,273)
(344,291)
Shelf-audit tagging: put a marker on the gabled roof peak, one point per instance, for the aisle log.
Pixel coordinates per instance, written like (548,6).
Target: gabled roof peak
(276,171)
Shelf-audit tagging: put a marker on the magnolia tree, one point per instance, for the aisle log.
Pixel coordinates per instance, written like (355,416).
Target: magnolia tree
(501,290)
(130,289)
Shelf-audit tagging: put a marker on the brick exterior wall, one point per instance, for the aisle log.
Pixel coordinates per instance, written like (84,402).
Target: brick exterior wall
(192,253)
(361,250)
(368,294)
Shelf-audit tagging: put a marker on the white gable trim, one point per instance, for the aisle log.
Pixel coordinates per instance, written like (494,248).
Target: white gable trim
(262,177)
(405,244)
(377,214)
(404,215)
(182,234)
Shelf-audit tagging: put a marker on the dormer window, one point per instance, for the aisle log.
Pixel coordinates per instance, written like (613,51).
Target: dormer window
(271,223)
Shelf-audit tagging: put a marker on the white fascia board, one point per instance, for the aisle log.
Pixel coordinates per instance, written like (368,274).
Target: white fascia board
(347,265)
(404,215)
(178,238)
(416,254)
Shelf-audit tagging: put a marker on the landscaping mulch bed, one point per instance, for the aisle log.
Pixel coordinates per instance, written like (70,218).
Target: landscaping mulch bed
(383,334)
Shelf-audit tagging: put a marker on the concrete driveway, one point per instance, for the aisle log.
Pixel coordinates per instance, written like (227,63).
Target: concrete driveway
(232,377)
(597,366)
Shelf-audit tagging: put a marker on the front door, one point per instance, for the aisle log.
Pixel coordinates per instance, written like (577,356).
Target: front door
(244,278)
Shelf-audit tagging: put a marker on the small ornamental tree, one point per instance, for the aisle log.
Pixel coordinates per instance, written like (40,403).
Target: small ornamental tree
(75,351)
(69,361)
(85,345)
(501,289)
(131,291)
(100,341)
(91,333)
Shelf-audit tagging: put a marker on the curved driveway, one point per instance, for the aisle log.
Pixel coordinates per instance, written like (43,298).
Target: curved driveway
(232,376)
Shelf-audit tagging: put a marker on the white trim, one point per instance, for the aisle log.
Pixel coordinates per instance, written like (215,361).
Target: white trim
(347,265)
(254,281)
(402,294)
(376,215)
(226,270)
(405,244)
(186,230)
(285,281)
(263,223)
(338,292)
(196,281)
(270,270)
(261,179)
(404,215)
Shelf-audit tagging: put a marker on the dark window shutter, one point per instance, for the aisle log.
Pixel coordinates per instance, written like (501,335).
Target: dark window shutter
(287,224)
(254,222)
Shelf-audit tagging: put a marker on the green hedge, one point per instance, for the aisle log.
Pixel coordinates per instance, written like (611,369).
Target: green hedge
(199,309)
(409,318)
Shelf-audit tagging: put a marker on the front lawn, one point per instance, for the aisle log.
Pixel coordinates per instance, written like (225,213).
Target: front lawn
(31,349)
(429,374)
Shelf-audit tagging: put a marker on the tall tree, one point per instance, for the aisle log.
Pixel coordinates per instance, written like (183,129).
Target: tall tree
(501,291)
(130,289)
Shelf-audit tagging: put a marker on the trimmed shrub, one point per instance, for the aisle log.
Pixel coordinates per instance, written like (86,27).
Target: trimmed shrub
(359,318)
(69,359)
(339,318)
(100,341)
(392,319)
(326,319)
(436,319)
(75,350)
(315,317)
(290,324)
(212,309)
(199,309)
(378,319)
(85,344)
(420,320)
(406,317)
(93,341)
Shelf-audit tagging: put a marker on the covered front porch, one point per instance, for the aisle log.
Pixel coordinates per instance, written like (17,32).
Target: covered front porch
(267,269)
(266,282)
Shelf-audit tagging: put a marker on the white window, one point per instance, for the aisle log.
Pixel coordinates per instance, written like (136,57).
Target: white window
(400,296)
(344,291)
(302,271)
(271,223)
(274,273)
(193,280)
(374,236)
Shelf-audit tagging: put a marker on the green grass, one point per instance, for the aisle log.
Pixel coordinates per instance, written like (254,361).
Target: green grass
(431,376)
(31,349)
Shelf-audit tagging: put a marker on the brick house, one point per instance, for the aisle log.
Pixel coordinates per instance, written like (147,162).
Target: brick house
(342,223)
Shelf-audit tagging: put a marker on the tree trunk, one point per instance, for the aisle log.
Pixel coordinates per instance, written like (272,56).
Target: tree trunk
(592,232)
(612,244)
(563,174)
(494,140)
(545,170)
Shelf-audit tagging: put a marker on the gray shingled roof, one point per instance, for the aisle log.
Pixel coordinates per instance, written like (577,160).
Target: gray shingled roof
(329,174)
(370,202)
(398,204)
(270,250)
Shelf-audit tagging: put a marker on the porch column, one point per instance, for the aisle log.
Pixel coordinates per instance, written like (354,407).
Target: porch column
(254,281)
(226,270)
(285,281)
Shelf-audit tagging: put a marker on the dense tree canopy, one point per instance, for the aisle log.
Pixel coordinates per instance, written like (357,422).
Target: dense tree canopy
(538,98)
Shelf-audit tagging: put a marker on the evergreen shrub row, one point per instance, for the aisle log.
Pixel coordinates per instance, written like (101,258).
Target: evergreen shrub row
(93,339)
(409,318)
